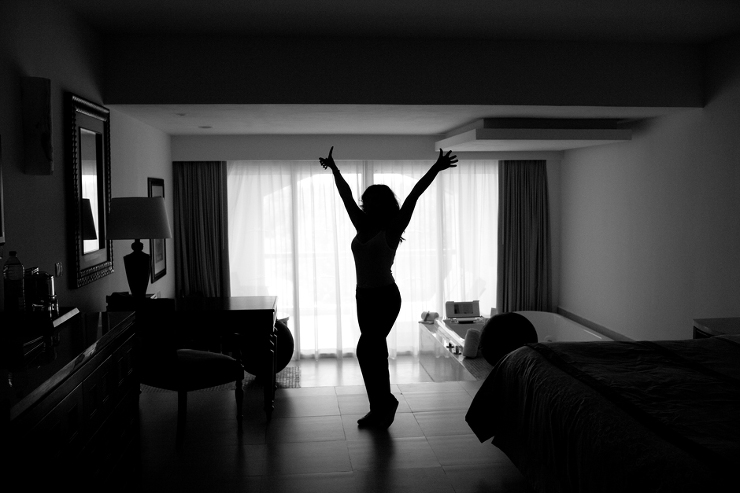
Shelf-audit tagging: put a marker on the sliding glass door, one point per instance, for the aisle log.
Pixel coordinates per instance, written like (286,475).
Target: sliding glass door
(289,236)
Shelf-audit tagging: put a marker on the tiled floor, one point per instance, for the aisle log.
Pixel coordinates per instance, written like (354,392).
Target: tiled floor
(313,444)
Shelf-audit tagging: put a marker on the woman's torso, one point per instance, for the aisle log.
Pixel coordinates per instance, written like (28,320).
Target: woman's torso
(374,258)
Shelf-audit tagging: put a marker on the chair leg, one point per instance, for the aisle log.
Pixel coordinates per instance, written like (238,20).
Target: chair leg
(182,407)
(239,392)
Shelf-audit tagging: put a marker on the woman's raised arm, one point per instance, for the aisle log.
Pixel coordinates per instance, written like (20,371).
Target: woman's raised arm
(444,161)
(345,193)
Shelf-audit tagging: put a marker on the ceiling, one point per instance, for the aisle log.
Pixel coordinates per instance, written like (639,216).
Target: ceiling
(347,119)
(669,21)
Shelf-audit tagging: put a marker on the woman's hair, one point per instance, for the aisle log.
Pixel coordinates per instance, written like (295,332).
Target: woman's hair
(380,204)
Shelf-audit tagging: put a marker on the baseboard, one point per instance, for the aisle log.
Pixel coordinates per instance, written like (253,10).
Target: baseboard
(616,336)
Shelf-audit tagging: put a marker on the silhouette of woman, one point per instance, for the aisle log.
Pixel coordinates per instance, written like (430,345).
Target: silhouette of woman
(380,222)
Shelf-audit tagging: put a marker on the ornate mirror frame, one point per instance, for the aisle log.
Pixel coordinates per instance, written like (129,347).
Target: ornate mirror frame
(2,210)
(89,155)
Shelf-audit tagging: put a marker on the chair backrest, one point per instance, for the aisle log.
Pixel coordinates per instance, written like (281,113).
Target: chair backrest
(155,327)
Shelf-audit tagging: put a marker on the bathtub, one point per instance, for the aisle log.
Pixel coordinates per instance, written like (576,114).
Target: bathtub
(550,327)
(442,343)
(553,327)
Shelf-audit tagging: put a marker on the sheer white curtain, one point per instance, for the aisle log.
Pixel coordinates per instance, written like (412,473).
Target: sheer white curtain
(289,236)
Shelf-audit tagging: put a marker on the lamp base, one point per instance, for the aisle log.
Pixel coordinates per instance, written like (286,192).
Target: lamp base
(137,269)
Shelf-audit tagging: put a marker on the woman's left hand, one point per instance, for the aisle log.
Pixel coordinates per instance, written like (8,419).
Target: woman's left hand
(445,161)
(328,162)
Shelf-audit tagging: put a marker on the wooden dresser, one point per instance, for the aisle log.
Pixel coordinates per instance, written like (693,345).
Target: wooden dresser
(71,397)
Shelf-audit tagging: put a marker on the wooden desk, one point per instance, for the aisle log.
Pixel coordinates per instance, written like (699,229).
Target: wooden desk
(251,316)
(710,327)
(200,318)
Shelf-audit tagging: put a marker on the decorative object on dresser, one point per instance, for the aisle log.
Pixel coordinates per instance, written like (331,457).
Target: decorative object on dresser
(134,218)
(89,154)
(157,246)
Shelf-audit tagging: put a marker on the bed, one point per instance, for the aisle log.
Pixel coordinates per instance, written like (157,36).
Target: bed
(659,416)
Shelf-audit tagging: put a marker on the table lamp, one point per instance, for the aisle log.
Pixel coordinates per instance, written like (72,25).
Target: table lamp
(134,218)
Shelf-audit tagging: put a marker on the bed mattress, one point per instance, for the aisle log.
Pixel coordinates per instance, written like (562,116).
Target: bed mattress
(616,416)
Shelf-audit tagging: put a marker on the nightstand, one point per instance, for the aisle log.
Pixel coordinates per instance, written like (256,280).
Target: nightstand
(710,327)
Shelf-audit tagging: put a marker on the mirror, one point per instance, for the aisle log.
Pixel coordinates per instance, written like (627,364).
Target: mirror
(90,199)
(89,152)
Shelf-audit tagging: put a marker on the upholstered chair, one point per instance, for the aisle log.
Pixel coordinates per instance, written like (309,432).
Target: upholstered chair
(165,365)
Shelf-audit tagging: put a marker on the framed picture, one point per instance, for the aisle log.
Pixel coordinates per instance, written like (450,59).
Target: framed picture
(157,248)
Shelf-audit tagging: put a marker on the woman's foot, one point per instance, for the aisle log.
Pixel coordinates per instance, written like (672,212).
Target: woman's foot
(367,420)
(386,420)
(380,419)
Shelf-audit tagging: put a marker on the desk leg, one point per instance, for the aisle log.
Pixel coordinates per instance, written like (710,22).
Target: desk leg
(270,371)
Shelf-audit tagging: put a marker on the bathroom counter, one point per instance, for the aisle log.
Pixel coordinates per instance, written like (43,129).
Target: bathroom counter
(440,353)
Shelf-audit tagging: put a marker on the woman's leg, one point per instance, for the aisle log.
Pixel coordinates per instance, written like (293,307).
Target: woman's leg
(377,310)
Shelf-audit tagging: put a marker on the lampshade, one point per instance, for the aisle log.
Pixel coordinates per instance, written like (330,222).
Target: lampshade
(134,218)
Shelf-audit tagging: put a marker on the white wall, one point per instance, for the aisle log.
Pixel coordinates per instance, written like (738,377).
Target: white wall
(651,228)
(554,167)
(140,152)
(45,39)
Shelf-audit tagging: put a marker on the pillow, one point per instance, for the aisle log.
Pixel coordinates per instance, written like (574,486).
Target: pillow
(504,333)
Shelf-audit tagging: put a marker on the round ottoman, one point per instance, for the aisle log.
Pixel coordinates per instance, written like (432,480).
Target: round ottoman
(504,333)
(285,346)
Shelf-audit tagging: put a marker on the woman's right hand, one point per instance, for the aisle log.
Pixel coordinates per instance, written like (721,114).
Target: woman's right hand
(328,162)
(445,161)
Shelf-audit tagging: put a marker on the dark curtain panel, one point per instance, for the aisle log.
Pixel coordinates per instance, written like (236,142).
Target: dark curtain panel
(525,278)
(201,224)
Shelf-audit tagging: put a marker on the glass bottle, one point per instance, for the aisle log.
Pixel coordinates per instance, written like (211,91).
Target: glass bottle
(15,300)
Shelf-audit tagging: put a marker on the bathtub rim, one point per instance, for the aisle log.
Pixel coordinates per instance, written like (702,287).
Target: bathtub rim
(615,336)
(555,324)
(600,330)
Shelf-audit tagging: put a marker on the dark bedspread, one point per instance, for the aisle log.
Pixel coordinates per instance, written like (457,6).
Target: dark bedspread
(616,416)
